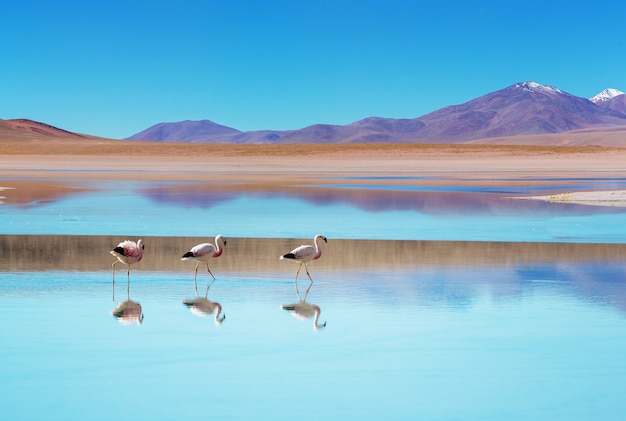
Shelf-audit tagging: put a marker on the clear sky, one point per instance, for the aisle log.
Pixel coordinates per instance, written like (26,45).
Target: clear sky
(113,68)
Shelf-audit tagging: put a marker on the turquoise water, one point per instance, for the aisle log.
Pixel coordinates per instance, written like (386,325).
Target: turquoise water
(539,342)
(381,212)
(517,339)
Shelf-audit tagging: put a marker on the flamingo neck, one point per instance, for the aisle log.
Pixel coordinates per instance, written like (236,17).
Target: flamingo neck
(318,249)
(218,310)
(219,245)
(316,325)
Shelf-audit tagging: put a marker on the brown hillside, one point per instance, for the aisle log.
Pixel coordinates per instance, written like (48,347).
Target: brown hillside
(22,128)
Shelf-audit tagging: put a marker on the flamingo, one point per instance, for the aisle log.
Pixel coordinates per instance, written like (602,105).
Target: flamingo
(203,253)
(127,252)
(304,254)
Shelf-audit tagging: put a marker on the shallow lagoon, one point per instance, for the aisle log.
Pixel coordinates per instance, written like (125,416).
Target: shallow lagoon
(388,210)
(434,330)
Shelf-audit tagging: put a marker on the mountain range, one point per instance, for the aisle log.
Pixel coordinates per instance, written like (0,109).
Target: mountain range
(526,108)
(523,113)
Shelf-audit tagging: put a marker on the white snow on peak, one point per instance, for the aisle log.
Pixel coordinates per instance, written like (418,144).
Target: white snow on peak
(537,87)
(606,95)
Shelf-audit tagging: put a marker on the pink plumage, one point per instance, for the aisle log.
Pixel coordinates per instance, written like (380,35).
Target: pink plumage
(127,252)
(304,254)
(203,253)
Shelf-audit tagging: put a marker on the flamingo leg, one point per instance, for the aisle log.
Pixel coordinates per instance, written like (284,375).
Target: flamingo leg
(209,270)
(296,281)
(210,283)
(113,279)
(307,290)
(310,284)
(128,287)
(307,272)
(195,277)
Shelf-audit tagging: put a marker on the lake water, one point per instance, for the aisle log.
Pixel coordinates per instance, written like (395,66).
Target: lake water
(391,210)
(519,313)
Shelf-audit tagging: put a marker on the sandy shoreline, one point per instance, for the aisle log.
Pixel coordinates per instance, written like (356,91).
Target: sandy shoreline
(614,198)
(205,162)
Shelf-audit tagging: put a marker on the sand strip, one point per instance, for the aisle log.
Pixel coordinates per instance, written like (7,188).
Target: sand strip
(613,198)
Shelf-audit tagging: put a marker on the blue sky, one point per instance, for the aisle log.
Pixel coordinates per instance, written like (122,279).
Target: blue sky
(113,68)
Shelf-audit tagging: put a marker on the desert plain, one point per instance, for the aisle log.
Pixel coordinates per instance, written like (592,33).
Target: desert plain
(587,156)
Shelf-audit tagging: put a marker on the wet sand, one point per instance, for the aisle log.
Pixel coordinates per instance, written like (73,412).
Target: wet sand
(260,255)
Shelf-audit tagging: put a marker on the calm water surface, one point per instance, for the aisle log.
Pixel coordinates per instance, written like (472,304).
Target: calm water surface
(440,336)
(541,341)
(367,211)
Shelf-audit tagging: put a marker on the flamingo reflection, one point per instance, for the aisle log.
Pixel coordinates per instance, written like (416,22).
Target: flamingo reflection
(304,310)
(128,311)
(202,307)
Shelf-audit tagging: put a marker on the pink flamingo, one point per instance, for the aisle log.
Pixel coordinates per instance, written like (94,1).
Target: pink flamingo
(203,253)
(127,252)
(304,254)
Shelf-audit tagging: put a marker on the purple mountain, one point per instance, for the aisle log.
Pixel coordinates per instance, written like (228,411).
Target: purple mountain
(611,99)
(523,108)
(184,131)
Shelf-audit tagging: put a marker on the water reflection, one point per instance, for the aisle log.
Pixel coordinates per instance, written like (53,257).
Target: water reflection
(128,311)
(203,307)
(478,211)
(304,310)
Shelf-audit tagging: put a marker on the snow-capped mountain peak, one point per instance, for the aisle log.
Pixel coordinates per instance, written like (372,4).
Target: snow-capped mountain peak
(606,95)
(537,87)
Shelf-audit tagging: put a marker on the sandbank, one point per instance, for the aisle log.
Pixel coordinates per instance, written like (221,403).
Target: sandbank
(615,198)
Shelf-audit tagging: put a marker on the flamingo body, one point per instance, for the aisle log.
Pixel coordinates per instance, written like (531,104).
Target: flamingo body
(202,252)
(306,253)
(129,252)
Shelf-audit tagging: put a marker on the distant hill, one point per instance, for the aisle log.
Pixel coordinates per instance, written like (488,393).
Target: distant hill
(30,128)
(184,131)
(526,108)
